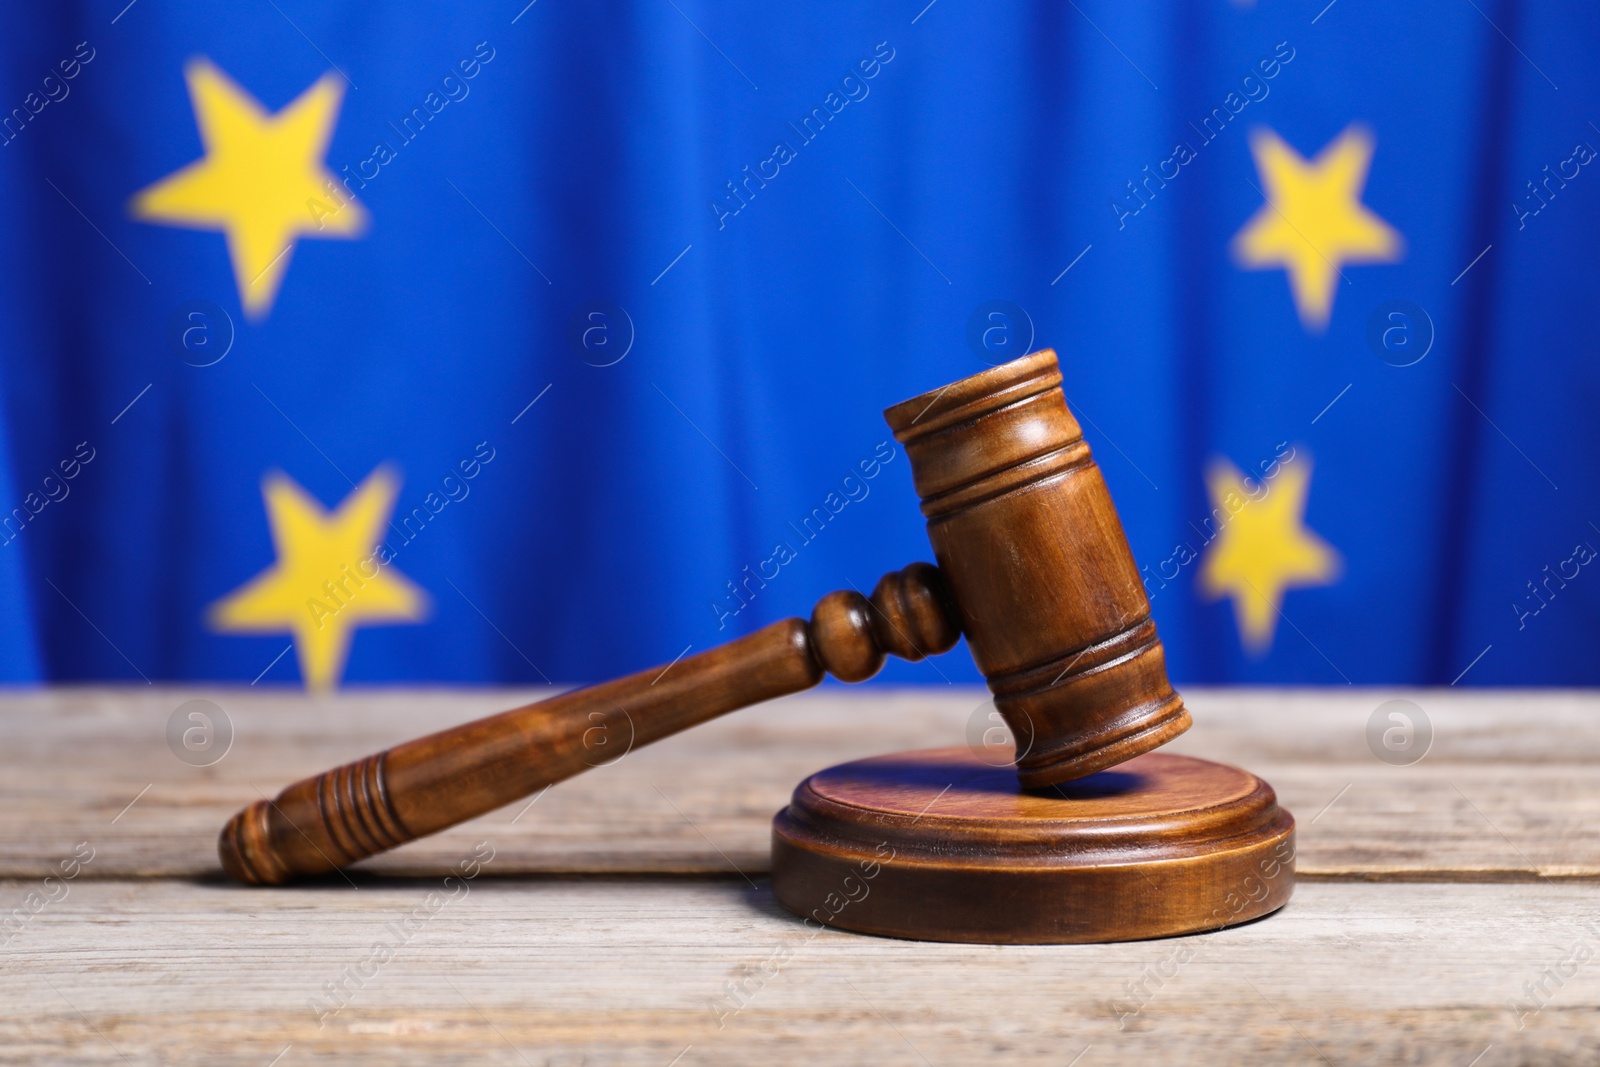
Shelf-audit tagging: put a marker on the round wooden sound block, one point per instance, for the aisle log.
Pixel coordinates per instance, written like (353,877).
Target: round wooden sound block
(940,845)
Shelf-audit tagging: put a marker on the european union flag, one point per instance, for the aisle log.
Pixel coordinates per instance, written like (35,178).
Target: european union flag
(536,341)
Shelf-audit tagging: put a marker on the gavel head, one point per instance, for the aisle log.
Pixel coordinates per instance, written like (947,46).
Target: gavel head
(1039,569)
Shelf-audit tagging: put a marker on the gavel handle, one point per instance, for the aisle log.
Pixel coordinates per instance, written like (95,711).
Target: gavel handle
(434,782)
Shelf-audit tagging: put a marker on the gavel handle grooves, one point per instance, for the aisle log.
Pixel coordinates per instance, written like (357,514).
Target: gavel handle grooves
(434,782)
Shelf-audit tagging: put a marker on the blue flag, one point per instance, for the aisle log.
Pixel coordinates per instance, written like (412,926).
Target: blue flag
(535,341)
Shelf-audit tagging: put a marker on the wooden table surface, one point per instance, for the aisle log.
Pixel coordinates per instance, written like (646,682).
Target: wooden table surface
(1448,912)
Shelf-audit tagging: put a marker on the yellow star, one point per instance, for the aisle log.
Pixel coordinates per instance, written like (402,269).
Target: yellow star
(261,181)
(1313,221)
(330,577)
(1263,547)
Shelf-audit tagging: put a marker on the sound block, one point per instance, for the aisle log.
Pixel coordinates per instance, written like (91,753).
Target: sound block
(940,845)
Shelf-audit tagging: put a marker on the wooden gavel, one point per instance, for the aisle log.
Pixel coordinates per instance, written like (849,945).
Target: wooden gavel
(1033,567)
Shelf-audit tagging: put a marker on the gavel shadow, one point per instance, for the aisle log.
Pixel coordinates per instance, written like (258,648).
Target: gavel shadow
(355,878)
(1092,787)
(961,778)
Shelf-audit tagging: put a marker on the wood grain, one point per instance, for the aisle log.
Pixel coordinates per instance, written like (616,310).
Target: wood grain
(1508,790)
(143,962)
(542,971)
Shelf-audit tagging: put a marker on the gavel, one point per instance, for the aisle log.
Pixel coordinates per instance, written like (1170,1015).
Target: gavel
(1033,568)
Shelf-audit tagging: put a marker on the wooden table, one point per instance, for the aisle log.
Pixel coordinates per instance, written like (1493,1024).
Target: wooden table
(1447,911)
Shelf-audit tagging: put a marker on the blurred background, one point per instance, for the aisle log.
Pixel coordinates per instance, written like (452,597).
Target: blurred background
(504,343)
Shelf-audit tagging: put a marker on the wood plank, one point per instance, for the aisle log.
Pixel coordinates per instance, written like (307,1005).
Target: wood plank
(1508,790)
(634,971)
